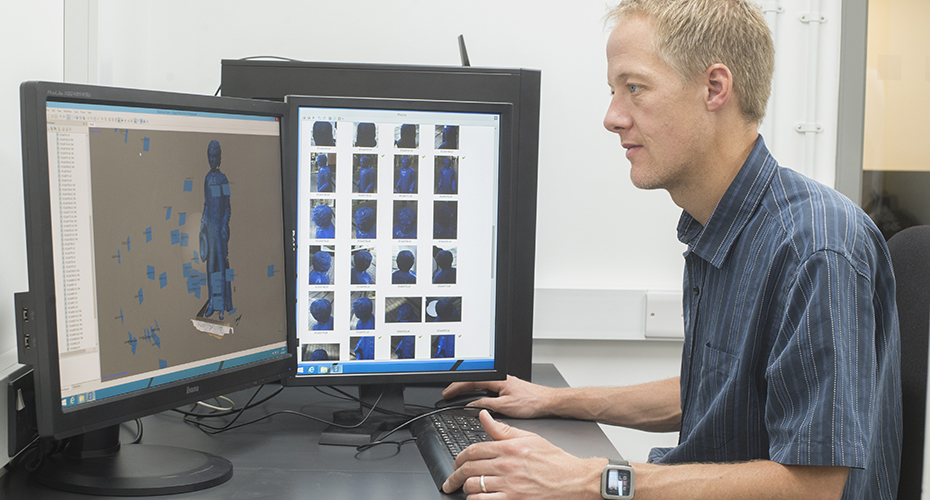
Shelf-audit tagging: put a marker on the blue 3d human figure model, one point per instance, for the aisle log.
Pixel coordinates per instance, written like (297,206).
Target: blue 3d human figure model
(322,312)
(361,261)
(323,218)
(365,348)
(364,311)
(448,184)
(324,176)
(214,234)
(406,177)
(403,275)
(406,227)
(446,272)
(366,176)
(321,262)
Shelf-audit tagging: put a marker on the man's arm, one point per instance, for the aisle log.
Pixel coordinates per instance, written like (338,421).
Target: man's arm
(653,406)
(520,464)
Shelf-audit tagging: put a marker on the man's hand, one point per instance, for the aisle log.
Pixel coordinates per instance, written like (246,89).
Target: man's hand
(516,398)
(520,464)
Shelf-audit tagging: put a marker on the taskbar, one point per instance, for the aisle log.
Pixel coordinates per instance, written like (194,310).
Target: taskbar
(391,367)
(94,396)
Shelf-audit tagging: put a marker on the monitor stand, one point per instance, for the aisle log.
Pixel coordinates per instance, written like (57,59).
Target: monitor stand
(391,399)
(95,463)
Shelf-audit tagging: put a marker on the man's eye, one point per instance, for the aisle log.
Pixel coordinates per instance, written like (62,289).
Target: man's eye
(633,88)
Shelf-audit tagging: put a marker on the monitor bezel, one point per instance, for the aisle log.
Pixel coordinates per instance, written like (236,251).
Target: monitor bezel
(38,339)
(506,213)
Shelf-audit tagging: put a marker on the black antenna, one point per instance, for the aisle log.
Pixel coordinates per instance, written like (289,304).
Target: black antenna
(462,52)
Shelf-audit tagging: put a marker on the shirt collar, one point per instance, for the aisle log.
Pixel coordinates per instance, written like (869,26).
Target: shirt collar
(734,210)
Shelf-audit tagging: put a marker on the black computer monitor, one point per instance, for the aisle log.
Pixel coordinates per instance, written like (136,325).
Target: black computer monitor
(272,80)
(404,235)
(157,272)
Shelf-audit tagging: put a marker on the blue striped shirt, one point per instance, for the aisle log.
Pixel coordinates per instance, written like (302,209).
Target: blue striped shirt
(791,348)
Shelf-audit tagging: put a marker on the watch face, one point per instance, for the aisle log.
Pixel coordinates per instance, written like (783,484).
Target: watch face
(618,482)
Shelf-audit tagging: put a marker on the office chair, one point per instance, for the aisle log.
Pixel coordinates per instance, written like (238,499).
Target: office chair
(910,256)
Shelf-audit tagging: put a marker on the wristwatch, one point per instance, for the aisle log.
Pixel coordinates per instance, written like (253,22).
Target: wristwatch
(617,480)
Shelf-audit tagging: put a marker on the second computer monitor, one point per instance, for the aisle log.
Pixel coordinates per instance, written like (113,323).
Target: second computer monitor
(402,237)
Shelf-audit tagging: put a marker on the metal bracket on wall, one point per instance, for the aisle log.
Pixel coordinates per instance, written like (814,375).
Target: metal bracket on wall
(804,128)
(813,17)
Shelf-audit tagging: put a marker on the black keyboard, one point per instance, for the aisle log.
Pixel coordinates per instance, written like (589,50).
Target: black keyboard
(442,436)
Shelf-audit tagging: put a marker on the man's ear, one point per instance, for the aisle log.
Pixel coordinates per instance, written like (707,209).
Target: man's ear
(719,83)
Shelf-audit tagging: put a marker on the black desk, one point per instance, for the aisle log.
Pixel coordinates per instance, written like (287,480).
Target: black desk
(279,457)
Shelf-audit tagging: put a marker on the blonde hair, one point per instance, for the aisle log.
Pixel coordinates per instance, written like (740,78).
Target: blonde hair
(692,35)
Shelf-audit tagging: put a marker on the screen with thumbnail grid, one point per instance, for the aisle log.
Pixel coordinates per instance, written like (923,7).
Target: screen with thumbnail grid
(396,241)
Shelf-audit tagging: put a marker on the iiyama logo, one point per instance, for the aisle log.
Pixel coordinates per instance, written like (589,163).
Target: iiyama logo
(193,389)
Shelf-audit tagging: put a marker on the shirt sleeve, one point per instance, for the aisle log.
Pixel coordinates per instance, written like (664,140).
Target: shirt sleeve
(823,369)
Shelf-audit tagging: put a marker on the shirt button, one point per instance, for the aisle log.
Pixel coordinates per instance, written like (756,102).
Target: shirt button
(697,291)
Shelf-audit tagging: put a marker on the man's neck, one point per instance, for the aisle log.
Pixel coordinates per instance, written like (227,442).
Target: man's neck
(701,197)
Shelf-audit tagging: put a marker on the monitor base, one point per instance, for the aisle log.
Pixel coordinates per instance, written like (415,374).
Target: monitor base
(133,470)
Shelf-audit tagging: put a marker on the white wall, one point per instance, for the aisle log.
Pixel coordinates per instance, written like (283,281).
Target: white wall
(587,208)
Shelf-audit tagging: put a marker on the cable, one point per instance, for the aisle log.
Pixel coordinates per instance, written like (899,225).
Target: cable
(138,438)
(193,418)
(348,397)
(232,405)
(253,58)
(381,440)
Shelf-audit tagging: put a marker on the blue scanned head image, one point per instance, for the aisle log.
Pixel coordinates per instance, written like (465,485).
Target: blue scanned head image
(403,275)
(323,218)
(446,273)
(446,310)
(365,135)
(444,227)
(322,312)
(323,134)
(365,223)
(450,137)
(214,153)
(408,136)
(321,263)
(363,309)
(406,226)
(319,355)
(361,261)
(407,314)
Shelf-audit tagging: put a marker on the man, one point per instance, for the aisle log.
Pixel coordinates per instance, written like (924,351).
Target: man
(790,380)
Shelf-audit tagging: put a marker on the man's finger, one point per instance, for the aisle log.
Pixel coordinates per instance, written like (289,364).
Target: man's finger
(456,388)
(500,431)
